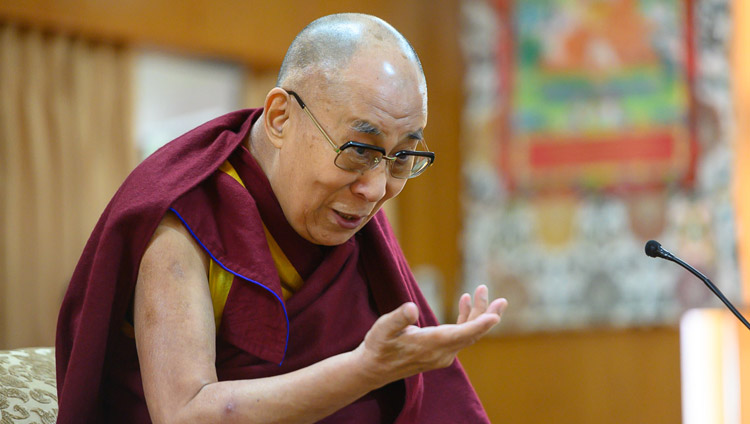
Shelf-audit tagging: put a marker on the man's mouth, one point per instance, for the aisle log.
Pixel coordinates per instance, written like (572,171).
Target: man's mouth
(349,221)
(348,217)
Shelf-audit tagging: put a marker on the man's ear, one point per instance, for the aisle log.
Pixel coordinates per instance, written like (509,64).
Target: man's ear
(276,115)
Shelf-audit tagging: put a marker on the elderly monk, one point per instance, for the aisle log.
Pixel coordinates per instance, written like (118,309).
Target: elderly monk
(244,272)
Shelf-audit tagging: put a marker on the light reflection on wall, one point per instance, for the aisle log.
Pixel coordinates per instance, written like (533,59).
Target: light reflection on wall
(712,343)
(174,94)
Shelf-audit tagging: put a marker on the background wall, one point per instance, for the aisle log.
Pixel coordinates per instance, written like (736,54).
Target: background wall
(625,375)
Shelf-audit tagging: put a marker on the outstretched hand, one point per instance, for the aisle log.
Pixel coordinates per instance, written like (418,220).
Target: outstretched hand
(395,348)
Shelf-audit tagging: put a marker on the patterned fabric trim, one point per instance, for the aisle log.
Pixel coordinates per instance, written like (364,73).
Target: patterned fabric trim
(28,391)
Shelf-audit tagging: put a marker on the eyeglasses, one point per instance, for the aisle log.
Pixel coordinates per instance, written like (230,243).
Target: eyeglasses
(361,157)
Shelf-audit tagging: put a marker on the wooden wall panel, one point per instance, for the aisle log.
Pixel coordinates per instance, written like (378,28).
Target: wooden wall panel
(253,32)
(592,377)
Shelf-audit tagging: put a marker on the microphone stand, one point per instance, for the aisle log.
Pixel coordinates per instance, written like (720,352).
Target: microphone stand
(654,249)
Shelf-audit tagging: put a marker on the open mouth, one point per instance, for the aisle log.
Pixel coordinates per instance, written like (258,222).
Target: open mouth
(348,217)
(350,222)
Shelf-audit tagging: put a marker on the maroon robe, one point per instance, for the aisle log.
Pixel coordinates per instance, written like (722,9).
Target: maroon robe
(346,288)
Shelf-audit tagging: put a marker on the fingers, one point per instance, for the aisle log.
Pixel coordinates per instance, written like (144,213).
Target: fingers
(469,311)
(453,338)
(498,306)
(397,320)
(464,308)
(474,321)
(481,295)
(476,327)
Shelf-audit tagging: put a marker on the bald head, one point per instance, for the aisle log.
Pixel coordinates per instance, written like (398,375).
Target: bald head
(329,43)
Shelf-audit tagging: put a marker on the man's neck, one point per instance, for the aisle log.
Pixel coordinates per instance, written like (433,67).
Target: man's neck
(259,147)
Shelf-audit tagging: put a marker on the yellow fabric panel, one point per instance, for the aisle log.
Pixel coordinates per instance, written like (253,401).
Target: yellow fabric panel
(228,169)
(219,283)
(291,281)
(220,280)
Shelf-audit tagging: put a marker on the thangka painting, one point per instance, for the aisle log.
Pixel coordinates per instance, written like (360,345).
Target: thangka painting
(590,127)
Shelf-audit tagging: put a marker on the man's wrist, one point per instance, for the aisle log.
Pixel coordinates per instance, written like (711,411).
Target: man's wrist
(364,369)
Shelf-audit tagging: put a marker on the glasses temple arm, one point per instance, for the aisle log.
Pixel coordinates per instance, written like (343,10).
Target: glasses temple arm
(322,131)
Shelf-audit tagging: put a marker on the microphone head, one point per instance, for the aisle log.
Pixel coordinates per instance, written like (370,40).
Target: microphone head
(653,248)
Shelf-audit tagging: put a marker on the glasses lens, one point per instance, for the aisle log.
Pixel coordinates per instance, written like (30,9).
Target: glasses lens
(408,165)
(358,158)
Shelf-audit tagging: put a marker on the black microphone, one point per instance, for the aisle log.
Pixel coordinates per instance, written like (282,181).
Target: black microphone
(654,249)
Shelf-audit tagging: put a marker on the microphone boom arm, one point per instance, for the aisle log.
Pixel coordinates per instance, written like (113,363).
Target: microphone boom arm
(654,249)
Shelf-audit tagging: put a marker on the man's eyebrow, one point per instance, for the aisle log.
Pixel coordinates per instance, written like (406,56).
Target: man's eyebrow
(368,128)
(365,128)
(416,135)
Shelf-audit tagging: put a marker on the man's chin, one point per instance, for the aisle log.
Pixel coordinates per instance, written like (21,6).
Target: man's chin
(331,238)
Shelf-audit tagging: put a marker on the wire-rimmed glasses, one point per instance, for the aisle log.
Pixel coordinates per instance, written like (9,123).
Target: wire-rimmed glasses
(361,157)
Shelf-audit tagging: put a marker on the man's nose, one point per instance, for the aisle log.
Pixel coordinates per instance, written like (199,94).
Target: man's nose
(371,184)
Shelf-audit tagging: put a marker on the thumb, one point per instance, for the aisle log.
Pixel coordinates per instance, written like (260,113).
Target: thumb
(397,320)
